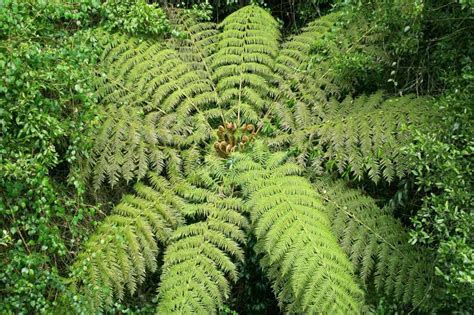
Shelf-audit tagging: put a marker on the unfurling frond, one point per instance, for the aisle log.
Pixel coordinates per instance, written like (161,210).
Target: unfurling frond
(116,257)
(310,272)
(377,245)
(200,258)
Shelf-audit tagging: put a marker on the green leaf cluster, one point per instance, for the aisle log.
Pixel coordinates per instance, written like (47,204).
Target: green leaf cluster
(135,17)
(46,107)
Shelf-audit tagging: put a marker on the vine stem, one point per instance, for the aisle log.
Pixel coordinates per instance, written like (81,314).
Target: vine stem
(21,236)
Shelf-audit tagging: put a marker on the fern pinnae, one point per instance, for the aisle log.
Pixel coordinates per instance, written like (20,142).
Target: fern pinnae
(378,245)
(125,246)
(126,146)
(244,60)
(293,233)
(365,136)
(198,48)
(199,43)
(199,260)
(294,59)
(168,90)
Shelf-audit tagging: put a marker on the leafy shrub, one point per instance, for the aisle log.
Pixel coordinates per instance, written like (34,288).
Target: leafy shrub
(46,107)
(442,165)
(135,17)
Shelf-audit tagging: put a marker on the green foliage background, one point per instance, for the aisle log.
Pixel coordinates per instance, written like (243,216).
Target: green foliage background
(47,106)
(49,109)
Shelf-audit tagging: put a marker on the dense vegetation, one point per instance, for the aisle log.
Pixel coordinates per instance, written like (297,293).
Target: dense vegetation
(236,156)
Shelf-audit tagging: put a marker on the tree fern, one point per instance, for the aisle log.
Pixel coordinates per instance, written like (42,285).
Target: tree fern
(162,103)
(310,273)
(378,246)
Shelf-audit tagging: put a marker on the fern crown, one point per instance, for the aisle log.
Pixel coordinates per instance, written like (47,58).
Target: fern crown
(322,243)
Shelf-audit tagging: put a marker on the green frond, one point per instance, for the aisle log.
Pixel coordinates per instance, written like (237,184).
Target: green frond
(125,246)
(159,98)
(310,272)
(378,246)
(242,65)
(200,43)
(365,135)
(127,146)
(199,262)
(298,79)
